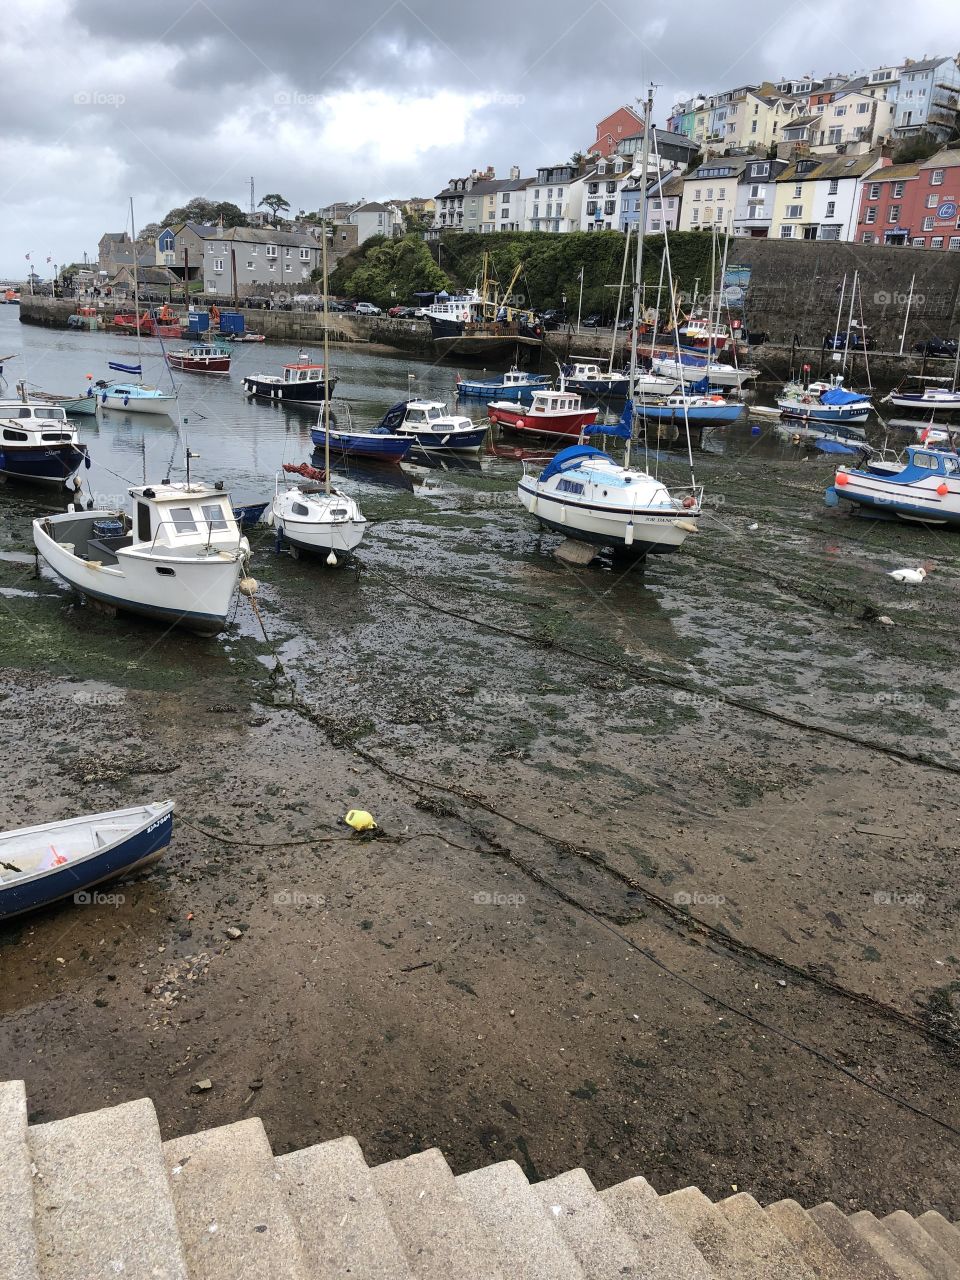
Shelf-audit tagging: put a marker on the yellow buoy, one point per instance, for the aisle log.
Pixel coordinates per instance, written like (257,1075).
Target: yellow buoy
(360,820)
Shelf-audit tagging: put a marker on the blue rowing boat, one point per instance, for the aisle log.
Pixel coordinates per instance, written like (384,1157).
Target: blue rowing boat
(46,864)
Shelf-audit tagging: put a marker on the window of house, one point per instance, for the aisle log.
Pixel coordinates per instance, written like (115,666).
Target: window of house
(709,193)
(218,264)
(559,193)
(592,188)
(874,193)
(928,224)
(867,238)
(798,190)
(936,242)
(696,194)
(591,208)
(609,206)
(611,188)
(936,178)
(931,201)
(786,233)
(831,208)
(840,111)
(722,193)
(954,242)
(834,187)
(893,213)
(249,265)
(871,215)
(918,241)
(863,107)
(271,250)
(897,190)
(794,210)
(695,216)
(655,224)
(304,255)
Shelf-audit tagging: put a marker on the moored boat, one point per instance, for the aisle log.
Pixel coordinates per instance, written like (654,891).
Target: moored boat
(694,409)
(823,402)
(200,358)
(76,406)
(428,425)
(44,864)
(177,559)
(301,383)
(923,490)
(516,384)
(550,413)
(693,368)
(922,393)
(38,443)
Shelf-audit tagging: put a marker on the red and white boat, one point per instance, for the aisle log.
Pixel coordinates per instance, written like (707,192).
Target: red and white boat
(551,413)
(200,359)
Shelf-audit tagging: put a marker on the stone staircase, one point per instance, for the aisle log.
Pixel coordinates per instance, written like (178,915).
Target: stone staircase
(101,1195)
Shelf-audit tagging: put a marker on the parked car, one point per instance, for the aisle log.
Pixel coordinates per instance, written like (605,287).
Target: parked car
(367,309)
(937,347)
(593,321)
(859,341)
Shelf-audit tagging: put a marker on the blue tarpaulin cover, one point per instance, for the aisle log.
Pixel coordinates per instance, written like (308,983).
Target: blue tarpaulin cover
(837,395)
(124,368)
(571,457)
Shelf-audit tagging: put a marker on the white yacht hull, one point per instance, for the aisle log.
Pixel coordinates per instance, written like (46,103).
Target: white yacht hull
(642,531)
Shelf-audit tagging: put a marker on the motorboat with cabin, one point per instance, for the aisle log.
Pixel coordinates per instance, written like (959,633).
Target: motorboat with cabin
(177,558)
(430,426)
(828,401)
(693,367)
(516,384)
(550,413)
(202,357)
(923,393)
(335,427)
(38,443)
(483,321)
(925,489)
(302,383)
(697,410)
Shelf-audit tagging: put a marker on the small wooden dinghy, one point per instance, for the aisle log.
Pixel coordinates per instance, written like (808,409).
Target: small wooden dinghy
(45,864)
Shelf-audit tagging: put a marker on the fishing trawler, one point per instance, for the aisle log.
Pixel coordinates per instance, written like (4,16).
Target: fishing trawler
(482,322)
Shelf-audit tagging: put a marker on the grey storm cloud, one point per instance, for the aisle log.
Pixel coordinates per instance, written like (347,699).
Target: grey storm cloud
(374,98)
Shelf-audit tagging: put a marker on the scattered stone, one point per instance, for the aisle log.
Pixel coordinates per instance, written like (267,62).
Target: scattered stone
(201,1086)
(234,932)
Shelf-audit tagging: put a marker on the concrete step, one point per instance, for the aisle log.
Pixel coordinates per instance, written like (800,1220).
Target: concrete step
(822,1257)
(103,1205)
(902,1264)
(589,1229)
(18,1242)
(922,1247)
(527,1243)
(858,1252)
(433,1222)
(777,1253)
(666,1252)
(232,1218)
(729,1254)
(944,1232)
(343,1225)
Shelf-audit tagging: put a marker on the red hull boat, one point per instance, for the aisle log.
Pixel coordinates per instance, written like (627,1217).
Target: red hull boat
(200,360)
(552,413)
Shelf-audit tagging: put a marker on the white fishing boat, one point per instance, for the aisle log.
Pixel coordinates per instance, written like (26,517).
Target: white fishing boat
(922,393)
(45,864)
(38,443)
(824,402)
(177,558)
(923,490)
(691,369)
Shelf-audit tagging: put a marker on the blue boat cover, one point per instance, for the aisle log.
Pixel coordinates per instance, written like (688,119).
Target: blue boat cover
(623,429)
(700,388)
(571,457)
(124,368)
(393,418)
(837,395)
(834,446)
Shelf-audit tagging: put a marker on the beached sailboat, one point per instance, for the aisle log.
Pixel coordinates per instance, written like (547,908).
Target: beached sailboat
(308,513)
(587,495)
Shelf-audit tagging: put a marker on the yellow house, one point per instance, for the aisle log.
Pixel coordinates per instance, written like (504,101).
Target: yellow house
(816,198)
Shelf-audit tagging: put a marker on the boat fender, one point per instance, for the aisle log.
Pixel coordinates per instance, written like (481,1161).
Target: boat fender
(842,479)
(943,489)
(86,461)
(689,501)
(103,398)
(628,536)
(831,498)
(686,525)
(520,423)
(126,401)
(248,586)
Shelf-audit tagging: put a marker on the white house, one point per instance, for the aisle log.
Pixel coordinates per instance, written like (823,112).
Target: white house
(756,189)
(374,219)
(547,197)
(858,117)
(819,199)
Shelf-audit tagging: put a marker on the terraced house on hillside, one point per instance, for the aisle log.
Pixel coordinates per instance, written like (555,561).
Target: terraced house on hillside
(710,193)
(818,199)
(913,204)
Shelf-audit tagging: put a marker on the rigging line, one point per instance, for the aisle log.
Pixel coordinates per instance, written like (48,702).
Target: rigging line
(653,677)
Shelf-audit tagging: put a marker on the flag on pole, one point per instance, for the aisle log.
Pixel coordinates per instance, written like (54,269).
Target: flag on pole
(27,256)
(49,260)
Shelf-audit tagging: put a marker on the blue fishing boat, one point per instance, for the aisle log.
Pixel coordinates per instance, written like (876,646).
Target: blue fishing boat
(38,443)
(923,490)
(427,424)
(514,385)
(247,514)
(696,410)
(46,864)
(823,402)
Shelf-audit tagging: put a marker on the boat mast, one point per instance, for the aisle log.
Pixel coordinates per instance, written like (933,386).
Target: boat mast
(638,265)
(853,294)
(843,292)
(136,290)
(326,367)
(956,363)
(906,318)
(623,276)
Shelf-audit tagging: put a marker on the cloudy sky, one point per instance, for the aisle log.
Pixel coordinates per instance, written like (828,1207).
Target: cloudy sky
(342,99)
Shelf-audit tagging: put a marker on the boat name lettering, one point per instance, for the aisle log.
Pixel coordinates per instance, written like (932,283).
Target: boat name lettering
(159,823)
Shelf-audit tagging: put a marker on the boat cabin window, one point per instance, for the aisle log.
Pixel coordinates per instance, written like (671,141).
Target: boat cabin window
(56,437)
(434,413)
(183,521)
(925,461)
(143,522)
(951,465)
(53,415)
(300,510)
(416,415)
(213,515)
(10,434)
(22,411)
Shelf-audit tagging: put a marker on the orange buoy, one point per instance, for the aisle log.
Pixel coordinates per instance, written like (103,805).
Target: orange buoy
(943,489)
(841,478)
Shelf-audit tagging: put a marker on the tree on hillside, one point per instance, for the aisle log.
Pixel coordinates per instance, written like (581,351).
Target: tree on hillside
(387,271)
(149,232)
(275,202)
(202,210)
